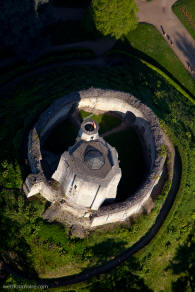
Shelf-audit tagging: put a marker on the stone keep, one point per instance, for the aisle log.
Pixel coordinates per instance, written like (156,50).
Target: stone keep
(89,171)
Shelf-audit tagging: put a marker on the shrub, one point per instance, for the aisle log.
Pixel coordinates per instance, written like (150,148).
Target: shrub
(114,18)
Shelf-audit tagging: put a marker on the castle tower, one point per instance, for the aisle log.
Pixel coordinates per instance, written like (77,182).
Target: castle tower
(89,171)
(89,130)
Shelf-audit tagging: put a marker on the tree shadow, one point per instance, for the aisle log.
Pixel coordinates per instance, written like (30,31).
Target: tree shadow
(15,252)
(71,3)
(123,278)
(106,249)
(183,265)
(126,46)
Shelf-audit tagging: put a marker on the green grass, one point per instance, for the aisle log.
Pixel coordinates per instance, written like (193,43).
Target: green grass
(106,121)
(48,250)
(172,235)
(147,41)
(185,11)
(98,118)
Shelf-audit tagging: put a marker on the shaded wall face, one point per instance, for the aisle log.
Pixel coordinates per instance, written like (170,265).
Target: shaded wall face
(145,135)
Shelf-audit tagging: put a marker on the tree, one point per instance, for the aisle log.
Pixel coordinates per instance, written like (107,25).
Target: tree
(21,26)
(114,17)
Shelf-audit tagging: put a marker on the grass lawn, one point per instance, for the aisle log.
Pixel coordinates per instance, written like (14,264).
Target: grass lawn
(106,122)
(47,249)
(147,41)
(185,11)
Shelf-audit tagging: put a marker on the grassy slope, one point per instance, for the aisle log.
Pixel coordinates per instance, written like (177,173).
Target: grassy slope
(148,40)
(22,109)
(186,18)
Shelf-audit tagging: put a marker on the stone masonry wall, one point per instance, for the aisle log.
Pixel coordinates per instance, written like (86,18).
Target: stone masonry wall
(146,124)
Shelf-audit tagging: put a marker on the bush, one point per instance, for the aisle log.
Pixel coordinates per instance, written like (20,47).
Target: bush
(114,18)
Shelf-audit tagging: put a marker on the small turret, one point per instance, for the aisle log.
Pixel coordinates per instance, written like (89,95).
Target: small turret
(89,130)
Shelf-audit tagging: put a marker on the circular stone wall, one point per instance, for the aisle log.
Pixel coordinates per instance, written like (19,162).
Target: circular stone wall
(141,118)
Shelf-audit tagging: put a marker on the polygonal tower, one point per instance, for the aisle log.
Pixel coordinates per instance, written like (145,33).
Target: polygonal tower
(89,171)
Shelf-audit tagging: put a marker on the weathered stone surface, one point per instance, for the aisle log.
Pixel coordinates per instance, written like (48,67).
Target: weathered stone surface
(77,231)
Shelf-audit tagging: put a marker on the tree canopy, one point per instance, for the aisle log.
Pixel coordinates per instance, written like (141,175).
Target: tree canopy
(114,17)
(21,24)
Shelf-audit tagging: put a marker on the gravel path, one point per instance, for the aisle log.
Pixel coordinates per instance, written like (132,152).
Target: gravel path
(160,14)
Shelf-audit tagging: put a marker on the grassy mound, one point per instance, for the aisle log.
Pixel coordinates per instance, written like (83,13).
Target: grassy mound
(47,250)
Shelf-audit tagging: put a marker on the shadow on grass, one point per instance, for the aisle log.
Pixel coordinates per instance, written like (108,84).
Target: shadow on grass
(123,278)
(183,265)
(126,46)
(104,250)
(15,251)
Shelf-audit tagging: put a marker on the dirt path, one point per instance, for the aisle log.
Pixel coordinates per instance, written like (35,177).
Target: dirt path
(160,14)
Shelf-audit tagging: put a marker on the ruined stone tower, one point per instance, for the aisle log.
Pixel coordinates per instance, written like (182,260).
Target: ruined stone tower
(89,171)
